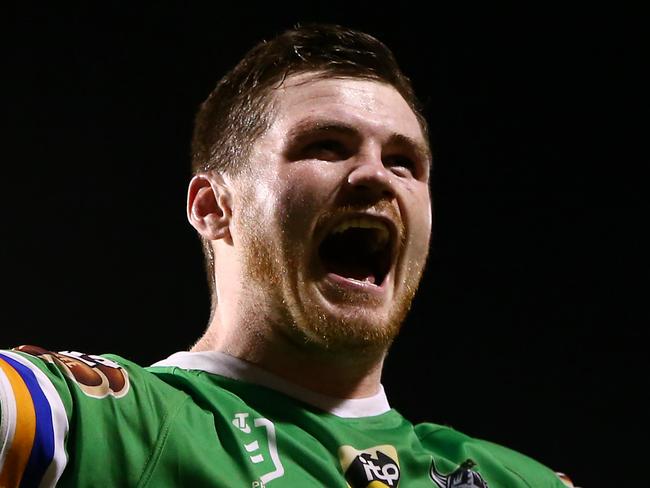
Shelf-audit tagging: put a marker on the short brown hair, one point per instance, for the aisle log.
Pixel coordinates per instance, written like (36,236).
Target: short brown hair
(239,109)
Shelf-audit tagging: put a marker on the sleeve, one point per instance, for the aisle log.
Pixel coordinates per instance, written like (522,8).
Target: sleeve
(74,419)
(33,424)
(528,469)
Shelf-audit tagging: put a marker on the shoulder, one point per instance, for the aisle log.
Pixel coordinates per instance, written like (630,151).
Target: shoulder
(499,463)
(49,398)
(76,373)
(81,377)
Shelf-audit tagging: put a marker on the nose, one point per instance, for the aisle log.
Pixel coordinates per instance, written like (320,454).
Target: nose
(369,176)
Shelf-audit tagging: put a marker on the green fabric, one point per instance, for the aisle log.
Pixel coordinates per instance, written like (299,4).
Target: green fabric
(180,428)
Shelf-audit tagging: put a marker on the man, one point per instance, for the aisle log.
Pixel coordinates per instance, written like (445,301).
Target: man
(311,197)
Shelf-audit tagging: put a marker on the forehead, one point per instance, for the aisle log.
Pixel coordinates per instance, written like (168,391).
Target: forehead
(371,106)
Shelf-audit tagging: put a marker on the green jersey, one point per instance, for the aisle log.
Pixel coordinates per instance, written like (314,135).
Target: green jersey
(205,419)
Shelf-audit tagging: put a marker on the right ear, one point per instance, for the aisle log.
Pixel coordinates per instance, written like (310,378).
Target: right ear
(209,207)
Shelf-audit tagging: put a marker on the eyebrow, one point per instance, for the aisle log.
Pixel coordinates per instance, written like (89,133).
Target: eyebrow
(313,127)
(420,150)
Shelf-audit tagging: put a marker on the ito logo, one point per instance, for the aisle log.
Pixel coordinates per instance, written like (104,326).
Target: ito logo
(376,467)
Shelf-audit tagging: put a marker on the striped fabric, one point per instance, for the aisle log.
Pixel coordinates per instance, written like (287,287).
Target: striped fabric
(33,425)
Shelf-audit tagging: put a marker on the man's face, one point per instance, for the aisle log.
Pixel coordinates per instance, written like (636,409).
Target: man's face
(334,220)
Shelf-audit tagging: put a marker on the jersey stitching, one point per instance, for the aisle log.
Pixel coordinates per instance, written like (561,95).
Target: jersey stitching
(518,476)
(163,435)
(421,439)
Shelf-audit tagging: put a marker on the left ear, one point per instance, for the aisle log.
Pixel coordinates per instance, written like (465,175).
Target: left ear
(209,206)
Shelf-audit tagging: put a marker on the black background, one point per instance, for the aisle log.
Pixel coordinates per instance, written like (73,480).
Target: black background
(529,328)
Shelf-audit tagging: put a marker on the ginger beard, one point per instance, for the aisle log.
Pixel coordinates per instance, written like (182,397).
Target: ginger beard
(270,259)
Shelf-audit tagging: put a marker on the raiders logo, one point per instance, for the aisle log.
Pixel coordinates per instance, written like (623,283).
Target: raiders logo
(96,376)
(376,467)
(463,477)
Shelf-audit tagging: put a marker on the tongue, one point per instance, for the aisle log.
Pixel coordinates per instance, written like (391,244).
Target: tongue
(355,271)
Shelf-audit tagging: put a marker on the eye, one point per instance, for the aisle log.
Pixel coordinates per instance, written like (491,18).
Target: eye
(401,165)
(326,150)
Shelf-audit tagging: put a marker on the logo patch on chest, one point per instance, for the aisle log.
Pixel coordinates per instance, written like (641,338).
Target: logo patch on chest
(375,467)
(463,477)
(259,443)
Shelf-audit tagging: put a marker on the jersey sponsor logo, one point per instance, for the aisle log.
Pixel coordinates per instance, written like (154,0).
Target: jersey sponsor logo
(96,376)
(261,447)
(375,467)
(462,477)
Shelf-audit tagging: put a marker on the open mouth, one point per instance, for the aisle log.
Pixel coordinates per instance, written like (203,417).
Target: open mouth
(358,249)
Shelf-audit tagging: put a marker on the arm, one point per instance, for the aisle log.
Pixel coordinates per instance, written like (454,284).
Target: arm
(33,423)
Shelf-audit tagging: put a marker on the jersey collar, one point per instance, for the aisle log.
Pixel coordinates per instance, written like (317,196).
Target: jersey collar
(231,367)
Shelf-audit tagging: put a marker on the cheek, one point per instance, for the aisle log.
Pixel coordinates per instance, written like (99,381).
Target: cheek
(420,220)
(301,197)
(266,201)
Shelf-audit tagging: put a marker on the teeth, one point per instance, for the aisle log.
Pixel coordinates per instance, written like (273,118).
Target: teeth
(365,223)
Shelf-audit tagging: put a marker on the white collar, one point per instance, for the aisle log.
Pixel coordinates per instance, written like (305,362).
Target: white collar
(238,369)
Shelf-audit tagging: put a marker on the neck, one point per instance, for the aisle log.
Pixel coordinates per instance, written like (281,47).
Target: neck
(339,374)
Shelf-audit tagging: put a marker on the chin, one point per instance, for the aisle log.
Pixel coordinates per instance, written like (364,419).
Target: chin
(349,325)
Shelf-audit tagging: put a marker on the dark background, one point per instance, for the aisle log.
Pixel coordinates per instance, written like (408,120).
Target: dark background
(529,328)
